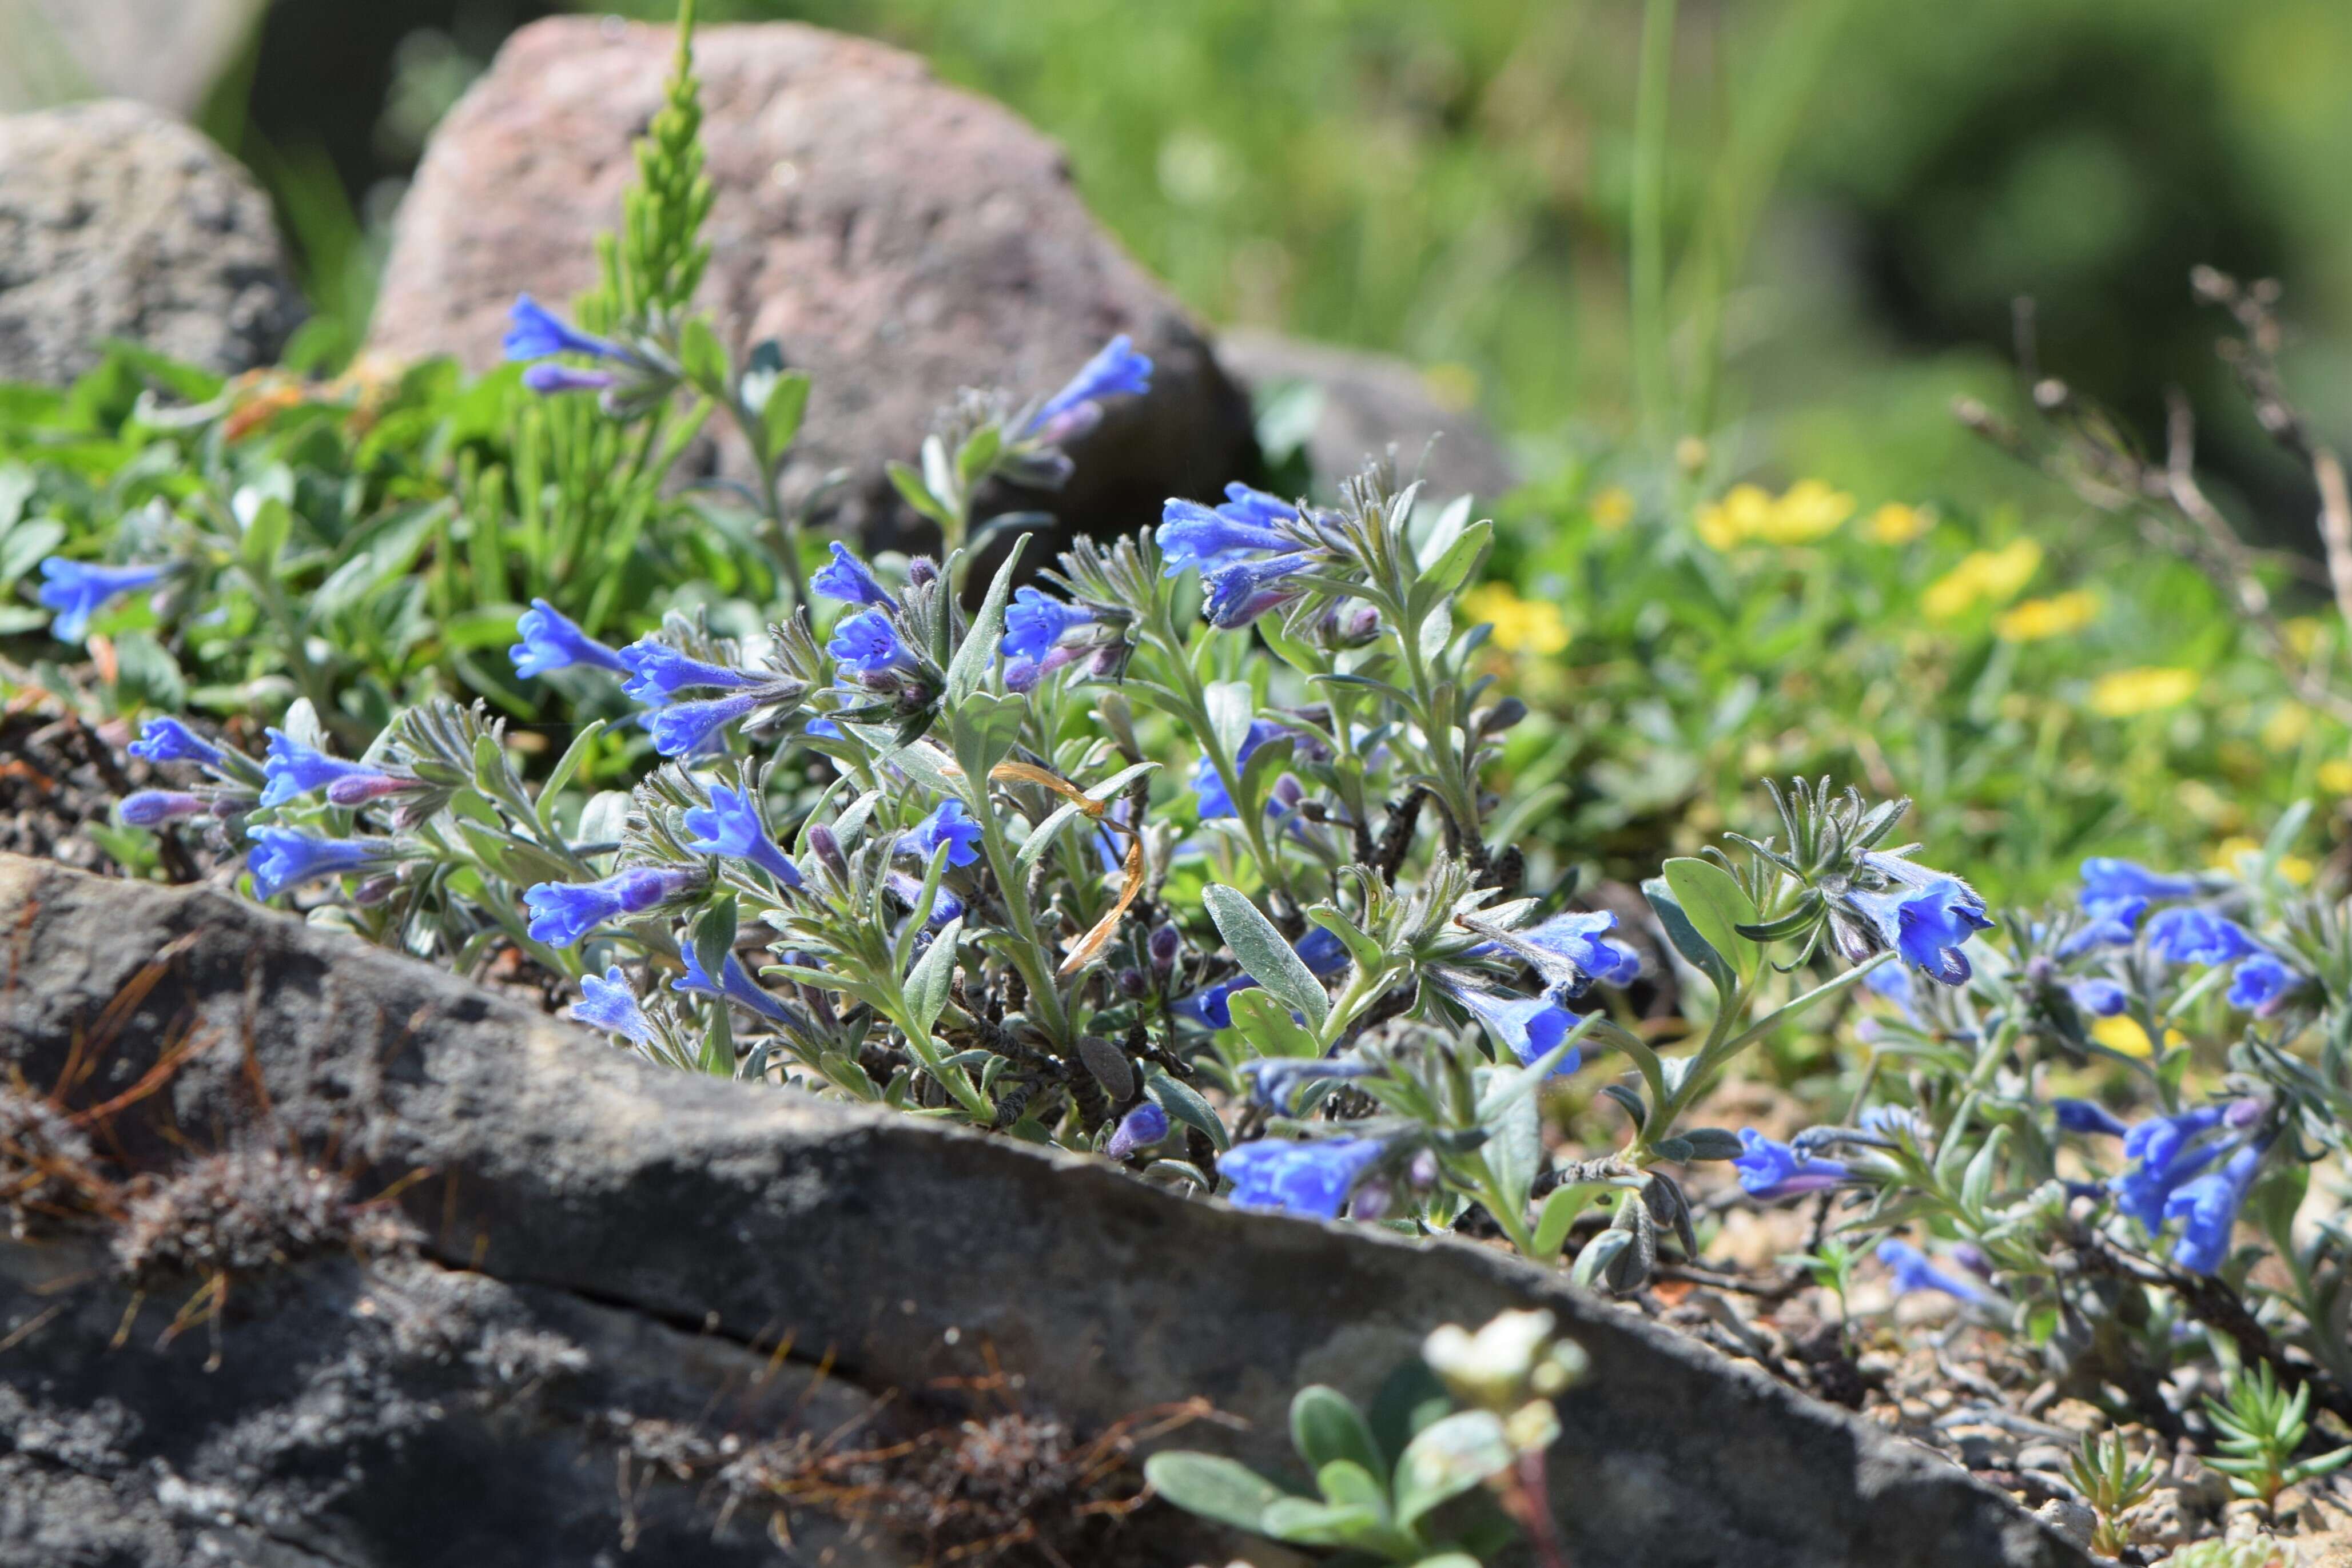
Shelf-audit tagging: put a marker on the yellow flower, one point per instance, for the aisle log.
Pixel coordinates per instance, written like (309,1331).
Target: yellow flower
(1896,524)
(2123,1034)
(1612,509)
(1521,625)
(1811,511)
(2007,570)
(1453,387)
(2230,853)
(2336,776)
(2128,693)
(2059,616)
(1993,576)
(2286,727)
(1738,518)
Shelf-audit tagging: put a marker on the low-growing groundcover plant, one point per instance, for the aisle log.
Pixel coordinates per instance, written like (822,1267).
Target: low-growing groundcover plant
(1191,853)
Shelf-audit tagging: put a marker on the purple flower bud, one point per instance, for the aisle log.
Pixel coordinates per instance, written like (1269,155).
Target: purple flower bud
(149,807)
(358,789)
(547,380)
(1139,1129)
(827,850)
(1162,944)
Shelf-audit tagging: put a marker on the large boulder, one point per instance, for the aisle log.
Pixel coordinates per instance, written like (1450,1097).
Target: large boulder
(118,221)
(565,1348)
(1370,405)
(899,238)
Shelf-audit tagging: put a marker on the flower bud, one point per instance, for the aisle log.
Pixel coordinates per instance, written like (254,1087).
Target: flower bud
(1162,945)
(921,570)
(827,850)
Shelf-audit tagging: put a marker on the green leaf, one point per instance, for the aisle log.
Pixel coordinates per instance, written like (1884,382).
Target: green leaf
(21,547)
(1305,1522)
(1179,1100)
(1557,1215)
(1326,1427)
(1701,954)
(1360,947)
(1345,1483)
(264,538)
(1213,1487)
(909,482)
(1711,1143)
(982,727)
(1450,570)
(1232,706)
(934,972)
(1716,907)
(714,938)
(569,763)
(1265,1022)
(977,457)
(701,357)
(1447,1460)
(1264,954)
(978,655)
(1041,837)
(781,415)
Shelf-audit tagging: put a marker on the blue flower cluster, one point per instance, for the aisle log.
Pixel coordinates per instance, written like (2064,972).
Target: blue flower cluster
(1245,550)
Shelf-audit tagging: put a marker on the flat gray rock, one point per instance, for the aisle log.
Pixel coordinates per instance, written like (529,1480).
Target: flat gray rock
(117,221)
(899,238)
(657,1236)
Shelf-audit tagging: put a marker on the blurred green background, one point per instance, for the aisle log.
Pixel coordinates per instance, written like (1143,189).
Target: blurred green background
(1856,190)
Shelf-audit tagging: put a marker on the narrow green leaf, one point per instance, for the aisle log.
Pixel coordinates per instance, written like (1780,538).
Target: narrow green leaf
(1268,1024)
(978,655)
(934,972)
(1326,1426)
(781,416)
(1264,954)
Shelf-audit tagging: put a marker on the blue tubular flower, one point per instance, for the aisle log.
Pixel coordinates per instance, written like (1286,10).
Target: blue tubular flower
(1927,923)
(683,729)
(563,912)
(2207,1207)
(1276,1081)
(867,644)
(658,672)
(1192,535)
(2100,998)
(945,905)
(534,332)
(950,825)
(1139,1129)
(294,770)
(1914,1271)
(1530,1025)
(547,380)
(730,825)
(551,640)
(77,590)
(2165,1152)
(2108,922)
(1309,1178)
(609,1004)
(1116,370)
(1244,590)
(2262,984)
(283,859)
(2108,880)
(1583,941)
(1034,622)
(736,985)
(1256,508)
(2088,1116)
(169,741)
(147,807)
(1768,1170)
(849,580)
(1323,954)
(1208,789)
(2189,935)
(1212,1008)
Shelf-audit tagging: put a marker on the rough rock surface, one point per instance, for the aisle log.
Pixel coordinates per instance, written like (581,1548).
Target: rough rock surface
(1372,401)
(900,239)
(119,221)
(656,1235)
